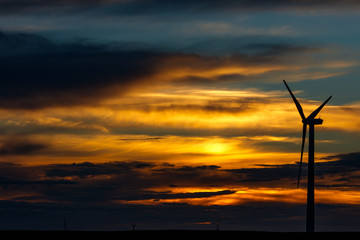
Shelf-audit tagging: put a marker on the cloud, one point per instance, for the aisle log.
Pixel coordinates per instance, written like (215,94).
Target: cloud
(139,190)
(103,183)
(38,73)
(21,146)
(177,195)
(7,181)
(21,6)
(87,169)
(106,182)
(65,75)
(141,174)
(268,175)
(237,5)
(340,171)
(164,6)
(343,162)
(137,181)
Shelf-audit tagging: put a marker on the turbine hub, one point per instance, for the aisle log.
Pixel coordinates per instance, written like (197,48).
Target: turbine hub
(315,121)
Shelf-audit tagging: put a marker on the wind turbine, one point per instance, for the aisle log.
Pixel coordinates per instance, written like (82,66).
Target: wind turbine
(311,121)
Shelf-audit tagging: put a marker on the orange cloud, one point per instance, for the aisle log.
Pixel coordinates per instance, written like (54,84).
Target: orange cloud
(244,195)
(214,126)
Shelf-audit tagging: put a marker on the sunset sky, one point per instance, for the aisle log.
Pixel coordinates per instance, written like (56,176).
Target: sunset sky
(173,114)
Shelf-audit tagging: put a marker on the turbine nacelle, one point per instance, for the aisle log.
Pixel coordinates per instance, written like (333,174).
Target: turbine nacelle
(315,121)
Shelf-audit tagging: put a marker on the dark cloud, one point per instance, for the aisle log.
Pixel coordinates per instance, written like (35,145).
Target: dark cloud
(21,6)
(177,195)
(87,169)
(140,175)
(340,163)
(351,159)
(253,46)
(340,171)
(274,49)
(104,182)
(147,139)
(38,73)
(107,182)
(160,175)
(230,5)
(88,191)
(7,181)
(21,146)
(268,175)
(165,6)
(88,200)
(46,74)
(231,106)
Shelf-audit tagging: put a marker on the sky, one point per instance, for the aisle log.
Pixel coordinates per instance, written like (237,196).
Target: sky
(173,114)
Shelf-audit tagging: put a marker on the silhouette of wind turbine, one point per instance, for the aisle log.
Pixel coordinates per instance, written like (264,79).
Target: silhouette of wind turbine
(311,121)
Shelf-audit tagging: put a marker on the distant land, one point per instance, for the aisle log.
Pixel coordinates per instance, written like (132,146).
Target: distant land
(168,233)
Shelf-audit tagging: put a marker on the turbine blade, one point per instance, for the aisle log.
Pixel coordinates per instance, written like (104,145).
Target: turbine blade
(314,113)
(298,106)
(302,151)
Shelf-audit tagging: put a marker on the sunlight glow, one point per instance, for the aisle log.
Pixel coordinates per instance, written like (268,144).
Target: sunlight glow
(243,195)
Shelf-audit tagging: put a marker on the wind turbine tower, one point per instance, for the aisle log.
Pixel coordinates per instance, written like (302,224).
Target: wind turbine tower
(311,121)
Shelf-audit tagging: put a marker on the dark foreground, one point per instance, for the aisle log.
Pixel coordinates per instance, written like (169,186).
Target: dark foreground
(198,234)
